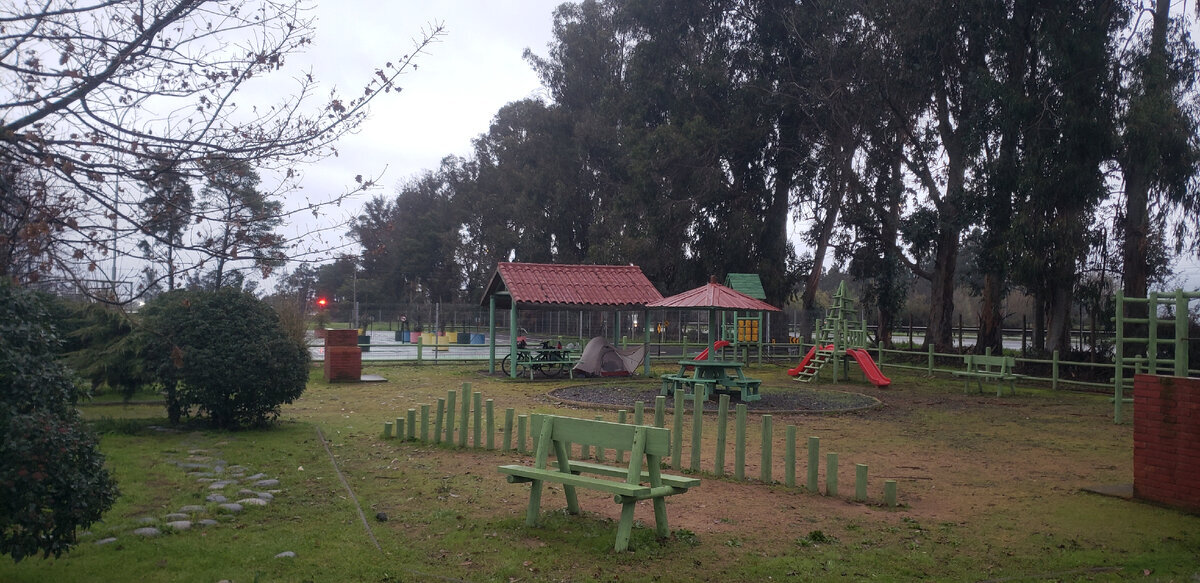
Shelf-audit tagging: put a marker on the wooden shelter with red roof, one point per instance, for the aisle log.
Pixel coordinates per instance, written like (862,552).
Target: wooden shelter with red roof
(542,286)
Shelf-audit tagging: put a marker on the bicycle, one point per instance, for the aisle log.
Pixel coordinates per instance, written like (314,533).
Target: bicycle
(547,360)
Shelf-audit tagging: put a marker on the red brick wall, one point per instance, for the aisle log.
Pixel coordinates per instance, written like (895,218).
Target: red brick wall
(1166,440)
(343,357)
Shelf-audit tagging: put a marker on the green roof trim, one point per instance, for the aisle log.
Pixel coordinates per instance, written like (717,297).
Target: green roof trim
(747,283)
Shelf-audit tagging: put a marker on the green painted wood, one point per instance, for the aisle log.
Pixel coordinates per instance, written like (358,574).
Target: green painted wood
(605,434)
(465,415)
(399,428)
(860,482)
(491,423)
(412,424)
(600,453)
(643,475)
(814,462)
(739,447)
(477,430)
(677,432)
(831,474)
(697,429)
(789,457)
(768,440)
(624,526)
(522,442)
(889,493)
(660,411)
(425,422)
(438,420)
(621,415)
(722,427)
(451,398)
(639,413)
(387,428)
(562,454)
(509,416)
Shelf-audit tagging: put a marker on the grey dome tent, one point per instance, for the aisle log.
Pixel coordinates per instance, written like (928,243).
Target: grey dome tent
(601,358)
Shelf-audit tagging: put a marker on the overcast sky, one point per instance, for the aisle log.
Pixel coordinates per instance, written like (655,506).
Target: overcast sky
(460,83)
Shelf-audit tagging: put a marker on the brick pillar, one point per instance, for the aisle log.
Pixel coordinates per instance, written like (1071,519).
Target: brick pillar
(1166,440)
(343,357)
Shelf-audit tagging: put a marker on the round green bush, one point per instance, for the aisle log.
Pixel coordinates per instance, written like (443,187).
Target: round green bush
(52,477)
(222,356)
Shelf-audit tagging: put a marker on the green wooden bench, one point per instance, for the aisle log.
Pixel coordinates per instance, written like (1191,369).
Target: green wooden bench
(997,369)
(641,479)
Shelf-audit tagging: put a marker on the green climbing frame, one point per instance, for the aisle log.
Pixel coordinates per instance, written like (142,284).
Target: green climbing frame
(1153,348)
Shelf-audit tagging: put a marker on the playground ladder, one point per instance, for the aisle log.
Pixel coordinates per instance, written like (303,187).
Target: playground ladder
(814,366)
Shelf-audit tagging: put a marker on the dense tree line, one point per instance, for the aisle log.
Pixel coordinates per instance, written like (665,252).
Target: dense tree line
(999,143)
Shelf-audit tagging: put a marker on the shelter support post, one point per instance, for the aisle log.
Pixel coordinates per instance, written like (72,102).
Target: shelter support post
(492,334)
(646,343)
(512,339)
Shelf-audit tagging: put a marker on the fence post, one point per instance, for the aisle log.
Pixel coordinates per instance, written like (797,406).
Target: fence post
(419,348)
(789,458)
(739,448)
(889,493)
(831,474)
(522,423)
(477,403)
(491,424)
(451,399)
(387,428)
(660,411)
(466,412)
(621,415)
(677,432)
(767,442)
(412,424)
(929,347)
(722,426)
(697,421)
(425,422)
(399,428)
(437,421)
(639,413)
(814,463)
(860,482)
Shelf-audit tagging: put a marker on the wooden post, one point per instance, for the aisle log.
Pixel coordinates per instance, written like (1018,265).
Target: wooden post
(509,415)
(677,432)
(437,421)
(889,493)
(660,411)
(412,424)
(860,482)
(739,448)
(929,348)
(466,412)
(599,450)
(767,442)
(522,422)
(477,404)
(620,452)
(697,421)
(419,348)
(491,424)
(451,399)
(639,413)
(387,429)
(814,463)
(722,426)
(425,422)
(831,474)
(399,428)
(789,457)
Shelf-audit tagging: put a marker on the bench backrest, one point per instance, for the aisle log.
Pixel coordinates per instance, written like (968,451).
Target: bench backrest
(991,364)
(604,434)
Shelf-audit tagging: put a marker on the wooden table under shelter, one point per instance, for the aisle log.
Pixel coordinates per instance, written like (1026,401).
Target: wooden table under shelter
(716,376)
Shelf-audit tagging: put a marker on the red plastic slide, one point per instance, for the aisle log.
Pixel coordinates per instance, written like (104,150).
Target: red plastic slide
(869,368)
(807,357)
(718,345)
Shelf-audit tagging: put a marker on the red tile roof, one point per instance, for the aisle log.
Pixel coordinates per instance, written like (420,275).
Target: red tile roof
(714,295)
(575,286)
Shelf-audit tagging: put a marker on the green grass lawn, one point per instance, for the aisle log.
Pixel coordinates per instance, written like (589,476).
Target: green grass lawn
(990,491)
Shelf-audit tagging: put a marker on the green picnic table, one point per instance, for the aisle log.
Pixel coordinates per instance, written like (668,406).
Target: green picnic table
(716,376)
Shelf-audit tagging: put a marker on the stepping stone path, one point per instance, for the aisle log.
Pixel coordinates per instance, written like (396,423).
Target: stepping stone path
(211,475)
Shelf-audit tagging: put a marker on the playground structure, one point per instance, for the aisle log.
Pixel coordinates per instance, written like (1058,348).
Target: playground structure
(1158,355)
(840,334)
(745,329)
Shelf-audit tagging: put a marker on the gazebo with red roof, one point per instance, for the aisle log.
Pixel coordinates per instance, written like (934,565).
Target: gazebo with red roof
(552,286)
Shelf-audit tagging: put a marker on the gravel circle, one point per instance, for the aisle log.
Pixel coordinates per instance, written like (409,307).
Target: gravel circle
(774,399)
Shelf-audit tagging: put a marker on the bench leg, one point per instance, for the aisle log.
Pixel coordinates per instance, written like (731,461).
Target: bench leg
(660,518)
(626,525)
(535,503)
(572,499)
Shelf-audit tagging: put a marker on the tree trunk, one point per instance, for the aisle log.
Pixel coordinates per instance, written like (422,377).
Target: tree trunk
(1058,335)
(991,318)
(808,298)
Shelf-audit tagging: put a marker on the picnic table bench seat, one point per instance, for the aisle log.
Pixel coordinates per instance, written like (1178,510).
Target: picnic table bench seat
(642,479)
(997,369)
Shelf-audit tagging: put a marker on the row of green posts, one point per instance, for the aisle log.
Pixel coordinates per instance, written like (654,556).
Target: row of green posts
(475,417)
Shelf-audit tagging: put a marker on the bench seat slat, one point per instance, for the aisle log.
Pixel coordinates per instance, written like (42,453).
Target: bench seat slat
(603,470)
(526,473)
